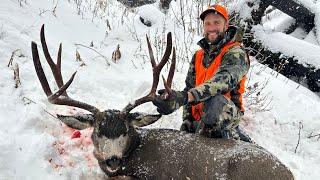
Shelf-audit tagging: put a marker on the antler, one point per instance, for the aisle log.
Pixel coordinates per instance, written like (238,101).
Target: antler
(156,73)
(60,97)
(168,83)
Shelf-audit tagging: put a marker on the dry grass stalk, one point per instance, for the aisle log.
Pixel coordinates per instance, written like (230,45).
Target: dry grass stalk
(16,75)
(79,59)
(12,56)
(116,55)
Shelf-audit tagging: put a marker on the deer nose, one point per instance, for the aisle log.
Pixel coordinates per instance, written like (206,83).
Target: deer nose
(113,162)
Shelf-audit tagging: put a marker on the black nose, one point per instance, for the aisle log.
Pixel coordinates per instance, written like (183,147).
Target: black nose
(113,162)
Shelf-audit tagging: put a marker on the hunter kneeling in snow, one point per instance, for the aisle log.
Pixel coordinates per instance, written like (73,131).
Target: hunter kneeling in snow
(212,98)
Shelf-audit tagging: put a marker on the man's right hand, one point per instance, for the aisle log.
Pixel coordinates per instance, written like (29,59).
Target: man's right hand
(172,103)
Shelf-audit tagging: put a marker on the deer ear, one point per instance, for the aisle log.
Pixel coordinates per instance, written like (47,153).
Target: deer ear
(140,119)
(79,122)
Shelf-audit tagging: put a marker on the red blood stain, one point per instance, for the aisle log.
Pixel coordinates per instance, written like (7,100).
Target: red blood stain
(76,134)
(70,149)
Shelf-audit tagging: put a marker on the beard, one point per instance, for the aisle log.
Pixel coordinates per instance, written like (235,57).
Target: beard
(219,37)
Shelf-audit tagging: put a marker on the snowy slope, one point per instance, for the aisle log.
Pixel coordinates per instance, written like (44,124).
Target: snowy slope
(35,145)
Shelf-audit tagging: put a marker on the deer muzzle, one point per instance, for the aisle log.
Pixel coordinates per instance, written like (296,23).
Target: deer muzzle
(113,164)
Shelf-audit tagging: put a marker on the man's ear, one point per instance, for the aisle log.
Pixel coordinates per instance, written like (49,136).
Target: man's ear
(79,122)
(140,120)
(226,25)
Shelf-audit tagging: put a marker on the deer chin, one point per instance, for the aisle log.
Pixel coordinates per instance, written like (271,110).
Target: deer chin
(113,165)
(112,170)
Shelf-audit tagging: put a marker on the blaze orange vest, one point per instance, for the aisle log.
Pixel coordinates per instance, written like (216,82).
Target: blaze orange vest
(203,74)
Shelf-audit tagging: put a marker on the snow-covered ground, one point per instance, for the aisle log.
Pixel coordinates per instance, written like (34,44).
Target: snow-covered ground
(35,145)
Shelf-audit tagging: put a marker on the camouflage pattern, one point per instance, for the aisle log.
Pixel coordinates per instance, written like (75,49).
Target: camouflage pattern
(234,65)
(220,118)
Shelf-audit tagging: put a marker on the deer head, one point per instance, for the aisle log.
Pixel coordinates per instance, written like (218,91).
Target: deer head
(114,135)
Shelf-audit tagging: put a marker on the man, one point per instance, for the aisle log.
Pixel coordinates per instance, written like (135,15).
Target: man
(212,98)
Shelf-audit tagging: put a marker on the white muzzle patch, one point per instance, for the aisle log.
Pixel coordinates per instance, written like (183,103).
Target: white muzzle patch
(108,148)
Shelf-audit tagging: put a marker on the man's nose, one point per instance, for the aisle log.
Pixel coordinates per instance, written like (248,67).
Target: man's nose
(211,28)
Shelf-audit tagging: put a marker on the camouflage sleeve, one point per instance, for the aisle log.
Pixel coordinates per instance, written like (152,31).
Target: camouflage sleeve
(190,82)
(234,65)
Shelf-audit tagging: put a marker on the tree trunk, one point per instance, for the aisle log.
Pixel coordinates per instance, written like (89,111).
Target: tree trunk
(306,75)
(164,4)
(302,15)
(136,3)
(257,14)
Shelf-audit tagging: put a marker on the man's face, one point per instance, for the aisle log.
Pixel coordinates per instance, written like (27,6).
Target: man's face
(214,26)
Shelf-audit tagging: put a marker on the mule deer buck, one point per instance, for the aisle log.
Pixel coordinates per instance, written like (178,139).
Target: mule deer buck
(123,148)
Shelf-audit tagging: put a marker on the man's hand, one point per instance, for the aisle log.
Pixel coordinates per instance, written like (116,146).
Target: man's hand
(188,126)
(167,105)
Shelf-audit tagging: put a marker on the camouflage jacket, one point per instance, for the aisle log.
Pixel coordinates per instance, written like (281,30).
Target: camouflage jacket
(234,65)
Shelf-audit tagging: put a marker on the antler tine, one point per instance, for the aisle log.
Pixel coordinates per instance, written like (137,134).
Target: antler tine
(156,73)
(153,62)
(158,68)
(56,69)
(55,98)
(172,68)
(168,90)
(168,83)
(59,60)
(37,65)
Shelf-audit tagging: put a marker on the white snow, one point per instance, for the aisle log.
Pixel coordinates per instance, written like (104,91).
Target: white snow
(35,145)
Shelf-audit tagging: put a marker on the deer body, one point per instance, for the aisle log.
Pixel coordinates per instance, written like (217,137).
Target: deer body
(123,149)
(171,154)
